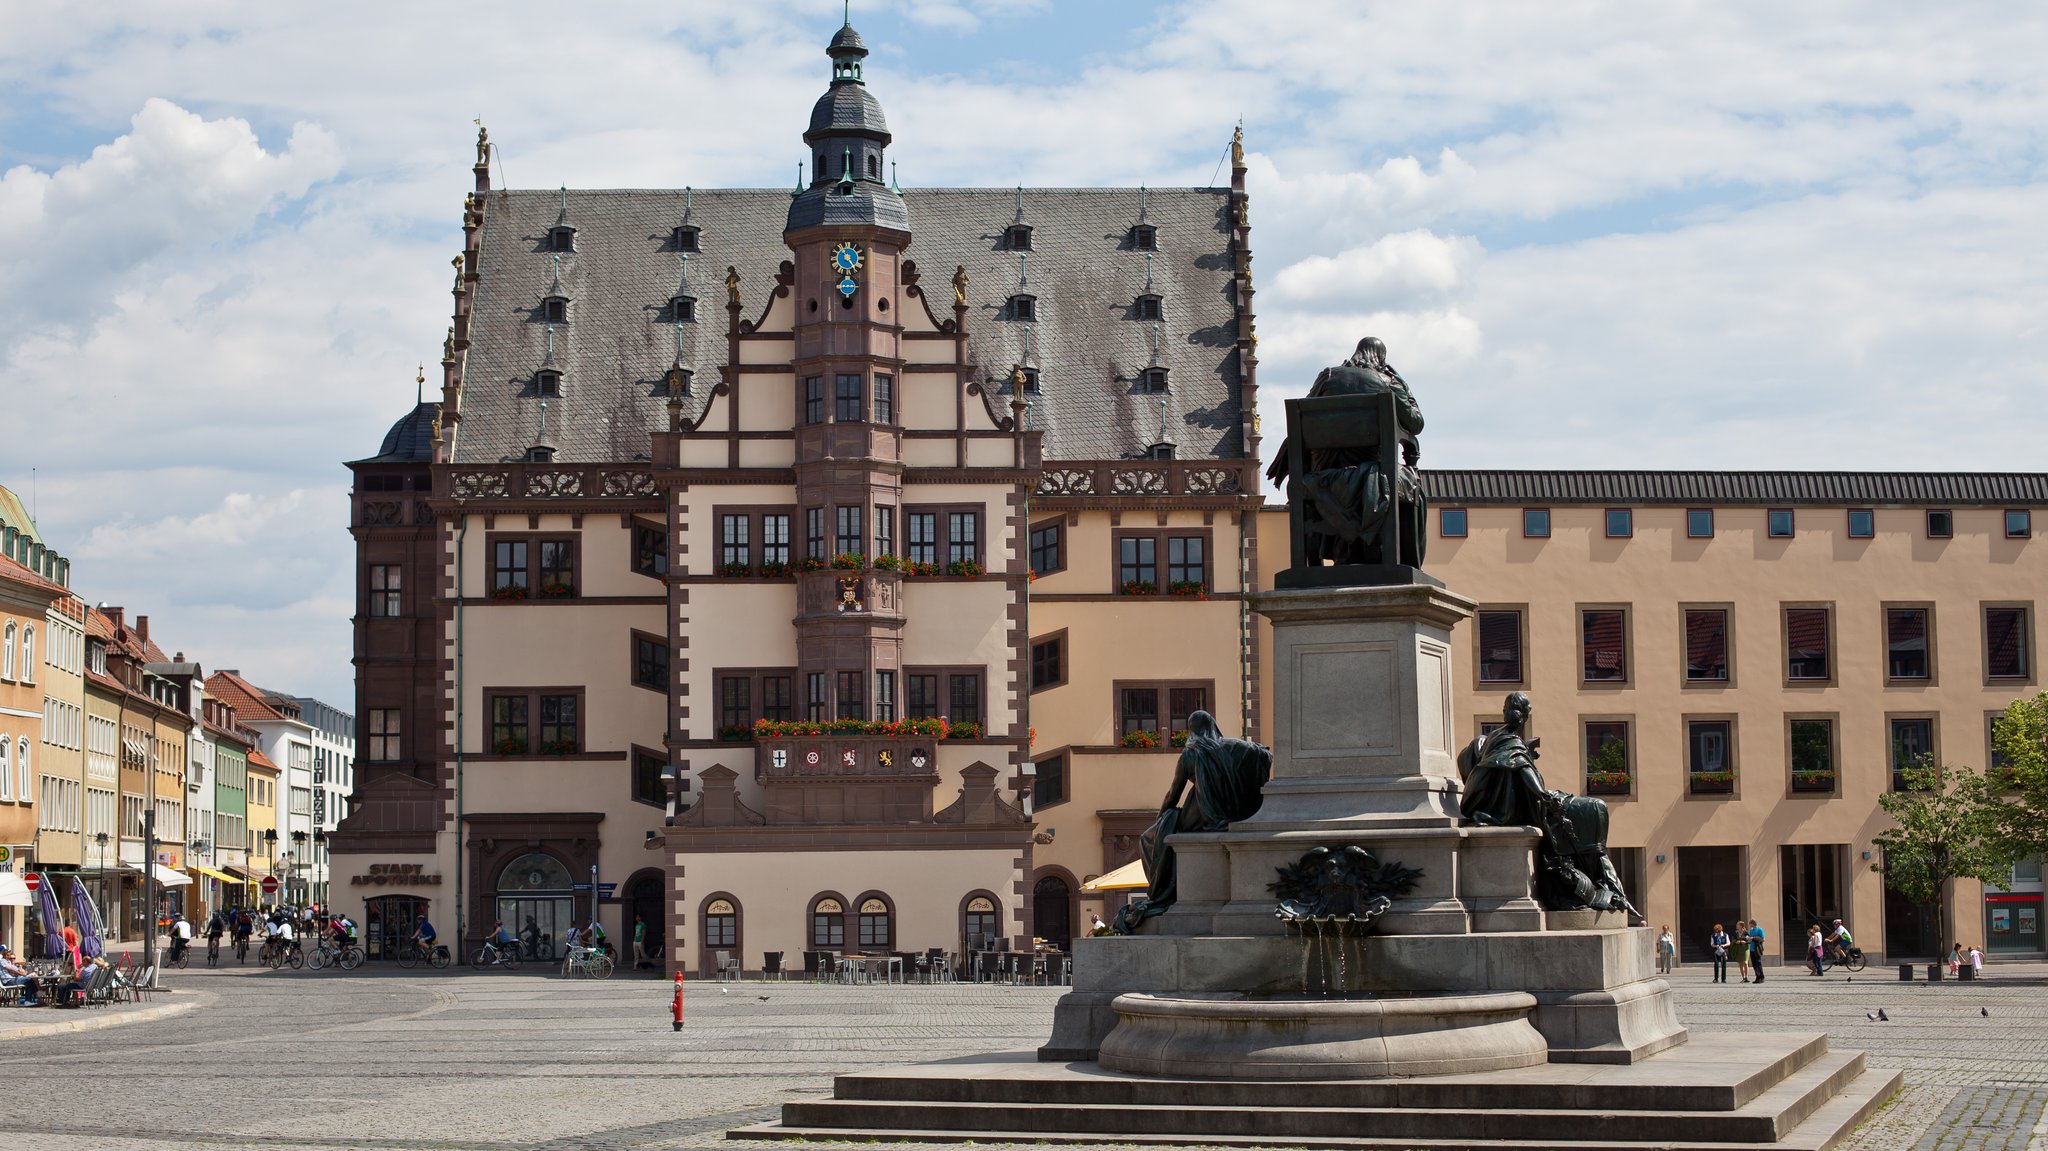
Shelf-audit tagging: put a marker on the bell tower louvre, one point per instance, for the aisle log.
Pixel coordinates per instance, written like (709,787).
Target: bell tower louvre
(835,619)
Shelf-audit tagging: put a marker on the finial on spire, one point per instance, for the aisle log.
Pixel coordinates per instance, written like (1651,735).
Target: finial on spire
(420,385)
(679,344)
(895,185)
(551,343)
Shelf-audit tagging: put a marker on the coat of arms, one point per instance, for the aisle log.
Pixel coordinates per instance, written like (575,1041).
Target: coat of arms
(852,596)
(780,758)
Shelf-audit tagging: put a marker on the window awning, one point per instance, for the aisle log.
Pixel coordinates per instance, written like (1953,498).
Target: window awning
(1129,877)
(223,876)
(168,878)
(247,876)
(14,892)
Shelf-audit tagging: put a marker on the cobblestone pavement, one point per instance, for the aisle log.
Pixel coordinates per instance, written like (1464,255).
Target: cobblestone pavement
(452,1060)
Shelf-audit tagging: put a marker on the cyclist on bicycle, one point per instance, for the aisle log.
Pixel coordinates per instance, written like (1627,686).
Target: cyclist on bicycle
(425,936)
(216,926)
(1840,942)
(342,930)
(181,937)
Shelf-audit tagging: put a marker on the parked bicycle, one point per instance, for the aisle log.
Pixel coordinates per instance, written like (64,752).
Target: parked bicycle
(411,954)
(492,955)
(348,957)
(587,961)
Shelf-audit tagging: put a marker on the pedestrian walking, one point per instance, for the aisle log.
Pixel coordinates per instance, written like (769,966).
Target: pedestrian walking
(1718,942)
(1815,949)
(1756,949)
(1667,950)
(640,944)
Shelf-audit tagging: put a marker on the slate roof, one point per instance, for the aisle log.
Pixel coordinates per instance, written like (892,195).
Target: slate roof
(410,440)
(1726,489)
(1083,270)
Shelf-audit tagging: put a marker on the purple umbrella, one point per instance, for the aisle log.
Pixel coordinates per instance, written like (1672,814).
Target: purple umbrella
(87,917)
(53,924)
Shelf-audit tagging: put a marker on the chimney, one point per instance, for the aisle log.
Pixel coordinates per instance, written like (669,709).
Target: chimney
(117,614)
(178,658)
(142,627)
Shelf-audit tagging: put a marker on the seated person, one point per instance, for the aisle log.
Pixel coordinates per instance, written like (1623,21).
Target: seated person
(81,978)
(13,974)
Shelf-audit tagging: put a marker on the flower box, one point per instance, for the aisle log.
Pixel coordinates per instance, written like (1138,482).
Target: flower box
(936,728)
(556,591)
(965,569)
(736,733)
(511,745)
(558,747)
(1188,589)
(889,563)
(509,591)
(734,571)
(1154,740)
(1140,587)
(1712,782)
(809,564)
(1813,781)
(849,561)
(1607,783)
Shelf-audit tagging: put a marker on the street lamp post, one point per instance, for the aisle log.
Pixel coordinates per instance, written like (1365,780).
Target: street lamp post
(100,837)
(298,861)
(270,849)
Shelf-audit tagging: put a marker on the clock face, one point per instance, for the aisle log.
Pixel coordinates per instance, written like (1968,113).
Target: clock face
(846,257)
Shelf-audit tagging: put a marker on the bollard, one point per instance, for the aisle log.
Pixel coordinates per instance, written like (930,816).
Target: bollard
(1966,973)
(1934,973)
(1905,973)
(676,1005)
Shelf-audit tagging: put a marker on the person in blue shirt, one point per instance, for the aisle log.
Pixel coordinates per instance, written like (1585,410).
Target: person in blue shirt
(1756,949)
(424,935)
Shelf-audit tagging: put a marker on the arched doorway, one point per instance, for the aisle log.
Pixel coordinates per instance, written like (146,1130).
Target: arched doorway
(644,902)
(537,903)
(1052,911)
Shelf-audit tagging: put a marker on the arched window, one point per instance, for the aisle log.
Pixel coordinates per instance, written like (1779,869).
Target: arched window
(828,923)
(6,770)
(874,167)
(721,923)
(7,652)
(27,773)
(1052,911)
(981,922)
(877,924)
(535,871)
(28,653)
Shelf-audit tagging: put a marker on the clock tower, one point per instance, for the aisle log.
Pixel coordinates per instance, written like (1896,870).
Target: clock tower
(847,231)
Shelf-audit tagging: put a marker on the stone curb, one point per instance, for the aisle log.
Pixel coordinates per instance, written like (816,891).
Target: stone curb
(100,1019)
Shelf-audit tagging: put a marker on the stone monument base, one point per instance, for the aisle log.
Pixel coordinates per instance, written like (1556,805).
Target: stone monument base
(1720,1091)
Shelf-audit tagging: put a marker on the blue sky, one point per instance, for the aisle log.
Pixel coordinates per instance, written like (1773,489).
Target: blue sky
(1592,234)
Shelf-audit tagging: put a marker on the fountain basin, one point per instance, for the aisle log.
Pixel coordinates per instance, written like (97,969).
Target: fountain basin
(1232,1036)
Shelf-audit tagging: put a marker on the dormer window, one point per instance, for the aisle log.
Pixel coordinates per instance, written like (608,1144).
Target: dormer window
(1017,237)
(687,237)
(683,309)
(1023,307)
(555,309)
(547,382)
(1148,307)
(1145,238)
(1152,380)
(678,381)
(1159,452)
(561,238)
(1030,381)
(540,455)
(874,167)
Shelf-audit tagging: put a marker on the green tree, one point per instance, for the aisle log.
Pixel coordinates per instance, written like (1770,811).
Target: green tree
(2018,780)
(1944,830)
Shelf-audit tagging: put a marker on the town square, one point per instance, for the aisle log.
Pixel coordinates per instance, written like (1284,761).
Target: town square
(776,574)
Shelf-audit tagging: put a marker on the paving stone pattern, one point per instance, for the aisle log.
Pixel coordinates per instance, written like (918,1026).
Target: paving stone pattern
(409,1061)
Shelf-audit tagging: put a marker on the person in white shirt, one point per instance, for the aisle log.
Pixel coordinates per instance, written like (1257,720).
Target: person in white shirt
(181,937)
(1976,964)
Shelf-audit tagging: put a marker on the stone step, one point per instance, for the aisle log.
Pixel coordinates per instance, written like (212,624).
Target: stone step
(1822,1128)
(1722,1072)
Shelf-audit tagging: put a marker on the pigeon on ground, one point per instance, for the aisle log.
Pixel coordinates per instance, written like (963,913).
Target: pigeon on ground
(1882,1017)
(1984,1011)
(723,991)
(1870,1015)
(762,998)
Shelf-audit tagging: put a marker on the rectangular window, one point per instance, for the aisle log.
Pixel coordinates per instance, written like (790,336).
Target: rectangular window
(963,537)
(1906,635)
(1536,523)
(1139,706)
(1048,547)
(385,742)
(885,531)
(2019,524)
(885,399)
(650,550)
(1137,562)
(964,695)
(853,695)
(885,697)
(1500,646)
(1604,636)
(1699,523)
(775,539)
(814,399)
(1182,702)
(1048,661)
(1450,523)
(509,724)
(1912,747)
(509,576)
(846,408)
(828,929)
(1778,522)
(924,695)
(1049,782)
(847,538)
(557,567)
(735,703)
(778,702)
(1862,523)
(815,703)
(387,600)
(814,533)
(1607,762)
(1806,645)
(1185,561)
(650,662)
(2006,647)
(1706,645)
(735,547)
(1137,709)
(1812,743)
(560,728)
(1621,523)
(1941,524)
(648,786)
(1710,756)
(923,530)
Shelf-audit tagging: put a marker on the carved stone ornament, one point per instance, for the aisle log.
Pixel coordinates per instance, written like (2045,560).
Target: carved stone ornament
(1146,482)
(1211,481)
(480,485)
(555,484)
(1067,482)
(624,484)
(382,513)
(1344,886)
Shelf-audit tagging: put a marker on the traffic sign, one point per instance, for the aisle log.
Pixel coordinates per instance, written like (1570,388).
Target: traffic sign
(32,880)
(607,889)
(270,885)
(579,887)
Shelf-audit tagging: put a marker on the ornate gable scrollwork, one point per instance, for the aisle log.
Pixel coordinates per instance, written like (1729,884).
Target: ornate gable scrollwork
(1211,481)
(1138,483)
(1067,482)
(620,484)
(554,484)
(480,485)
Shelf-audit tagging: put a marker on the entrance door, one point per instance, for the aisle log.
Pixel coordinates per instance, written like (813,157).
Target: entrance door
(388,921)
(1911,930)
(1710,891)
(1052,916)
(537,903)
(644,902)
(1810,875)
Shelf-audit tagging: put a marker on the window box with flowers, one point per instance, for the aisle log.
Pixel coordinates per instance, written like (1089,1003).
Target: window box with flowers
(849,561)
(736,733)
(889,563)
(510,745)
(734,571)
(1607,771)
(1607,783)
(964,730)
(558,747)
(509,591)
(1711,783)
(557,591)
(1811,781)
(892,729)
(1188,589)
(965,569)
(773,571)
(1140,587)
(810,564)
(1154,740)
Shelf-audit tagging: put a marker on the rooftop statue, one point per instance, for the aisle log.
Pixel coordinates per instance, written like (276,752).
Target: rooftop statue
(1222,780)
(1343,477)
(1504,789)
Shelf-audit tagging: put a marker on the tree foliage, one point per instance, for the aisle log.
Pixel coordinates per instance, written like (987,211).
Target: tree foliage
(2017,799)
(1944,830)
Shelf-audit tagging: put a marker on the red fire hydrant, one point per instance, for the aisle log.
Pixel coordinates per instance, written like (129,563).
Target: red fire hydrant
(676,1006)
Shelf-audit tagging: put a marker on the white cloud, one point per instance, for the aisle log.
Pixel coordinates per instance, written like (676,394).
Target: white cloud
(1403,270)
